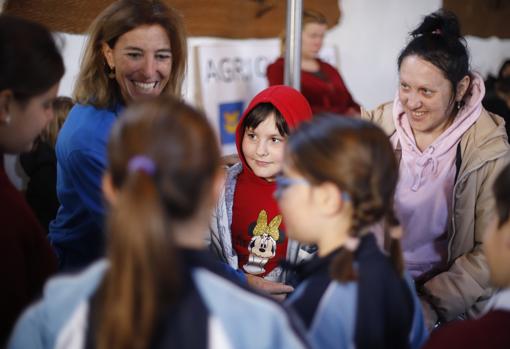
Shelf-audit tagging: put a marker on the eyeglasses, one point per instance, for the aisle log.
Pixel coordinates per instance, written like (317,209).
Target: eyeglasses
(283,183)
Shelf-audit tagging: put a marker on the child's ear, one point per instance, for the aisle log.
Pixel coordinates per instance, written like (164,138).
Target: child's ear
(462,87)
(329,197)
(109,191)
(108,55)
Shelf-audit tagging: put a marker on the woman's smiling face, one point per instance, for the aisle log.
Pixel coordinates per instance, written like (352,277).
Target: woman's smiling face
(426,96)
(142,60)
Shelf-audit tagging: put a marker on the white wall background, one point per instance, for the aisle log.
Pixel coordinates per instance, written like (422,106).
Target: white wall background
(369,39)
(371,35)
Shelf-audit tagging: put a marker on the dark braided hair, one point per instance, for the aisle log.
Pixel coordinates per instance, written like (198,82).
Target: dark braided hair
(357,156)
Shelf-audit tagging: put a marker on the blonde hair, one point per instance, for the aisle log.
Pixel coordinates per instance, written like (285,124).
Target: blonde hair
(309,16)
(61,107)
(93,85)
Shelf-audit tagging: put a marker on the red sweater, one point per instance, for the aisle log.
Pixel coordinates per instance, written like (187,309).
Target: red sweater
(258,232)
(490,331)
(27,259)
(324,90)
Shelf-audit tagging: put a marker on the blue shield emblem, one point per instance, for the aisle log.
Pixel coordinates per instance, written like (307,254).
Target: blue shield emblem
(230,113)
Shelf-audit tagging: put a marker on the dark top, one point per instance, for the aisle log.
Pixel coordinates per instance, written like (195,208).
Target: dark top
(325,90)
(77,232)
(27,257)
(496,105)
(490,331)
(40,165)
(384,307)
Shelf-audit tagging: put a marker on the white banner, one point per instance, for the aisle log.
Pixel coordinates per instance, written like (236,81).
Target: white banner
(230,75)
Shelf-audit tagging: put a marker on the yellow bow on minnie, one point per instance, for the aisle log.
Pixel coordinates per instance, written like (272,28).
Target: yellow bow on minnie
(271,229)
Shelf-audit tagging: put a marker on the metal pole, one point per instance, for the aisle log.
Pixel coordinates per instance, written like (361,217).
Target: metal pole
(292,73)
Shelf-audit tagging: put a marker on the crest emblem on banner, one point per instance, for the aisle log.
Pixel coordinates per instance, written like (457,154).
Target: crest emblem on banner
(230,113)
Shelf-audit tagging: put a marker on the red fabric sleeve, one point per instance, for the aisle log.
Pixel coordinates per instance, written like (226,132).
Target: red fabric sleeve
(274,72)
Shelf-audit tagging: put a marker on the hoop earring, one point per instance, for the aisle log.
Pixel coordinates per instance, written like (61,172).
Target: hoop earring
(111,73)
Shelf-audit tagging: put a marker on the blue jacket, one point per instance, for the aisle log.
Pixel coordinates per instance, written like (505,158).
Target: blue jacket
(378,310)
(77,232)
(212,313)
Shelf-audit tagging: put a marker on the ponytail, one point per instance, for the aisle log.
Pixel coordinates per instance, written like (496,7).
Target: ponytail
(162,158)
(141,252)
(363,213)
(342,265)
(395,236)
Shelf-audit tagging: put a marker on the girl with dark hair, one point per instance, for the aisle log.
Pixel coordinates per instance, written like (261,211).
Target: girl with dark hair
(339,179)
(30,71)
(450,150)
(135,50)
(158,288)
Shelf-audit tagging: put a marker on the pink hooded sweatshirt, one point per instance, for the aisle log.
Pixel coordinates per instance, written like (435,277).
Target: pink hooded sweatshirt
(424,193)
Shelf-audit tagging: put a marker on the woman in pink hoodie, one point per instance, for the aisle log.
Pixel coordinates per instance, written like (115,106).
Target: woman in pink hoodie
(450,150)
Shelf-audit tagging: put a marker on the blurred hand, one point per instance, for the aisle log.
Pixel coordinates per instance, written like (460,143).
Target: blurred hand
(275,289)
(429,314)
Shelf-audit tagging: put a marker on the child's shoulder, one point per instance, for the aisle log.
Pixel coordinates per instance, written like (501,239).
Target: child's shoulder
(234,170)
(228,300)
(231,178)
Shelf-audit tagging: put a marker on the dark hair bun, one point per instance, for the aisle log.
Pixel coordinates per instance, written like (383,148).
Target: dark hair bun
(437,40)
(441,22)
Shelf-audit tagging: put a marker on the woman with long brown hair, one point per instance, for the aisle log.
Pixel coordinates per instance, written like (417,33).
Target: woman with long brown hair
(136,50)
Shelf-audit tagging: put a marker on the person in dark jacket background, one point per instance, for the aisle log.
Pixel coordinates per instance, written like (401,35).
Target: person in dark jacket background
(497,94)
(40,165)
